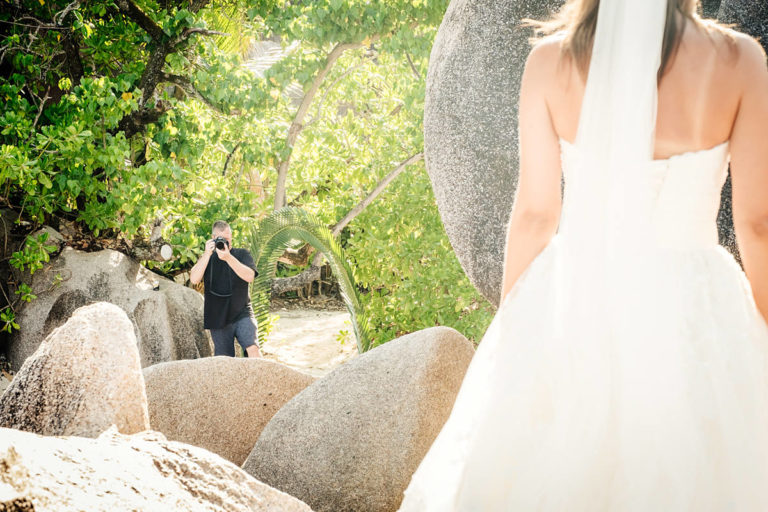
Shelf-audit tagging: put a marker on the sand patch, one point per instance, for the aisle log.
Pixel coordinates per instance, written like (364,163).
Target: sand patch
(310,340)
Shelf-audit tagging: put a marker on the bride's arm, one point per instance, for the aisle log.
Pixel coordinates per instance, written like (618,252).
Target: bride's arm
(749,170)
(536,211)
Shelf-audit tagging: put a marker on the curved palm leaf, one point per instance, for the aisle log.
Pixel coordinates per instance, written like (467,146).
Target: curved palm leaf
(273,235)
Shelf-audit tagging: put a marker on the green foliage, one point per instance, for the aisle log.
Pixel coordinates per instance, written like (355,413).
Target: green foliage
(418,282)
(320,22)
(32,257)
(370,121)
(75,162)
(342,337)
(269,240)
(214,131)
(268,326)
(8,319)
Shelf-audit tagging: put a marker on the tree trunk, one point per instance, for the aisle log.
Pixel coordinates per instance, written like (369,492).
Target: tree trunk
(287,284)
(298,120)
(153,251)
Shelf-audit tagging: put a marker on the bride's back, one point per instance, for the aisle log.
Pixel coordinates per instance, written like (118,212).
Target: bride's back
(714,89)
(699,94)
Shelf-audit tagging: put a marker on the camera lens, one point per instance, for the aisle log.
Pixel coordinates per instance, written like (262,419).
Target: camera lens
(220,245)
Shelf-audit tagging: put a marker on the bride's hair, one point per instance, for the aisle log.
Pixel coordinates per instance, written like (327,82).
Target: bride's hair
(577,20)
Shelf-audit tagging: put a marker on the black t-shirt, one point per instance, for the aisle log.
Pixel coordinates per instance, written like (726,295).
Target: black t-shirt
(226,294)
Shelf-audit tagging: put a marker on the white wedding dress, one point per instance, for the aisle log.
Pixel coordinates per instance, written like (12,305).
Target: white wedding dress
(626,370)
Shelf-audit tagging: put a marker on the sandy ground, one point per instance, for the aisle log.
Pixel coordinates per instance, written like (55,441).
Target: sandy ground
(308,340)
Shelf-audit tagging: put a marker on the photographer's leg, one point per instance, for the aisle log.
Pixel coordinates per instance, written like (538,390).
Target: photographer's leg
(224,341)
(253,351)
(245,330)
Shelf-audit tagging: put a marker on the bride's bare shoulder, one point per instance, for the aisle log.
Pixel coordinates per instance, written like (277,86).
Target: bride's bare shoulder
(746,60)
(547,51)
(546,58)
(751,55)
(736,49)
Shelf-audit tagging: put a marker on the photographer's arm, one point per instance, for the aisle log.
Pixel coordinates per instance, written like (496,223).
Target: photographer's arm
(243,272)
(197,272)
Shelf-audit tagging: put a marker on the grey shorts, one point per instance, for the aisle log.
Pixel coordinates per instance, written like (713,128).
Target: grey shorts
(224,339)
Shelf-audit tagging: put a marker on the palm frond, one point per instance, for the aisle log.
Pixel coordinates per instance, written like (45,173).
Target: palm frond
(262,55)
(273,235)
(231,23)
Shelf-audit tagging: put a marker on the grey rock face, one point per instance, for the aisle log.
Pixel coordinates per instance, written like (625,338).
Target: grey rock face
(219,403)
(168,322)
(470,127)
(82,379)
(710,7)
(751,17)
(351,440)
(116,472)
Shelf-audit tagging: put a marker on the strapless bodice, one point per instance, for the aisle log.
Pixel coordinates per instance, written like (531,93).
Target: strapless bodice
(684,193)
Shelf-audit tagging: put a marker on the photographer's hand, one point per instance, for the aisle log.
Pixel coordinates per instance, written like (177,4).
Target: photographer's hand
(196,273)
(223,254)
(210,245)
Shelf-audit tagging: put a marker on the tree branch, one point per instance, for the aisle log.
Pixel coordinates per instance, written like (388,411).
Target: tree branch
(153,71)
(328,89)
(58,18)
(197,5)
(69,39)
(229,157)
(187,86)
(296,124)
(137,121)
(39,112)
(202,31)
(39,25)
(132,11)
(381,185)
(413,66)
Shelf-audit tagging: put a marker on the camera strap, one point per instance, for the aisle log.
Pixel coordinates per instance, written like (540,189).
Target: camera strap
(229,275)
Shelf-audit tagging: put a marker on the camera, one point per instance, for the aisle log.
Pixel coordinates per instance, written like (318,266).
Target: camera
(221,242)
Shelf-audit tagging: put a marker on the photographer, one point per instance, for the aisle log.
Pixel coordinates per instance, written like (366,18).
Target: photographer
(227,311)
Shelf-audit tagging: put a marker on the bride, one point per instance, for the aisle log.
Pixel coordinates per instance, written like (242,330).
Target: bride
(627,366)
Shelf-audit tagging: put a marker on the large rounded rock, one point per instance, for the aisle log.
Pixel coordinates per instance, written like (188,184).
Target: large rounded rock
(82,379)
(116,472)
(219,403)
(352,439)
(167,317)
(470,127)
